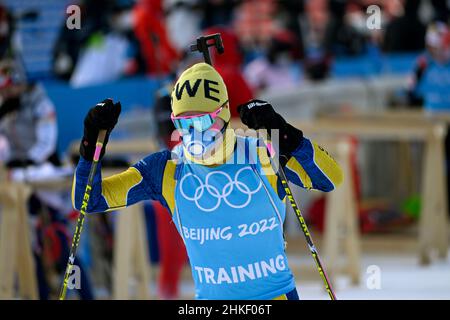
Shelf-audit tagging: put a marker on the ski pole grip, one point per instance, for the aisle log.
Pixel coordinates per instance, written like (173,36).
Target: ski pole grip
(101,136)
(99,144)
(267,141)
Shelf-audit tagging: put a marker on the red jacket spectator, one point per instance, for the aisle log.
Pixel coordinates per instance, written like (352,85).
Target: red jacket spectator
(149,27)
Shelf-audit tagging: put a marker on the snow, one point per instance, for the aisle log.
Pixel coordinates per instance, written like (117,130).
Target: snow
(401,278)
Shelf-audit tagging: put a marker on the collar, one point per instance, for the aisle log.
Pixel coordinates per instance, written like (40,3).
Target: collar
(222,151)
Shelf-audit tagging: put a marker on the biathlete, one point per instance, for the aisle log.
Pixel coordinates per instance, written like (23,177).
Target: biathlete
(219,187)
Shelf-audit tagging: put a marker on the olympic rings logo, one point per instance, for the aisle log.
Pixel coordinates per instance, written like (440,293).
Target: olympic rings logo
(219,195)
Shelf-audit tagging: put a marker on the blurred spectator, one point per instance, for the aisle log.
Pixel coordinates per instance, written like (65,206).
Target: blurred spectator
(10,44)
(289,13)
(405,32)
(104,49)
(441,10)
(218,12)
(94,17)
(229,65)
(28,121)
(254,23)
(158,53)
(315,26)
(345,35)
(431,81)
(274,70)
(6,32)
(183,19)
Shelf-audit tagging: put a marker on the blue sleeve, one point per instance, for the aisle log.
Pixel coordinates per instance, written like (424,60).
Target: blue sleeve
(141,181)
(96,201)
(152,168)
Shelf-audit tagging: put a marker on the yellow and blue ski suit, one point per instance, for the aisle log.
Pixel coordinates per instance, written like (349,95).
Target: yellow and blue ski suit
(230,216)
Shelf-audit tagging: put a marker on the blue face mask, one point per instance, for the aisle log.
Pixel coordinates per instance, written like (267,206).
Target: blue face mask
(200,143)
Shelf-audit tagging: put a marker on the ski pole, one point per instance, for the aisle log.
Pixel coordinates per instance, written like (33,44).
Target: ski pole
(80,221)
(312,248)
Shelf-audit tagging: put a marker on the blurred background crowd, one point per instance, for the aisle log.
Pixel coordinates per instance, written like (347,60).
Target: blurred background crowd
(306,56)
(271,42)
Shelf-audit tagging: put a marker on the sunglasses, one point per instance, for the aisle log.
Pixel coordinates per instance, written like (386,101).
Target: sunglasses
(200,122)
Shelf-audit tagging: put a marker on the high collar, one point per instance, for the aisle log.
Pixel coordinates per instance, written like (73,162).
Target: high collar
(223,150)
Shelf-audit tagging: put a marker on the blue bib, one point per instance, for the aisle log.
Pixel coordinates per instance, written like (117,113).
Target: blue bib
(231,221)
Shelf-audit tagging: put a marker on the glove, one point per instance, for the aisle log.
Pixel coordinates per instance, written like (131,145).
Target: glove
(258,114)
(9,105)
(103,116)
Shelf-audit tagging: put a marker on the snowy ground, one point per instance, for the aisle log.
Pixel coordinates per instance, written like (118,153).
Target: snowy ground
(401,277)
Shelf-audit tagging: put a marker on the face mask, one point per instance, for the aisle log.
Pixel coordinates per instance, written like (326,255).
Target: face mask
(198,144)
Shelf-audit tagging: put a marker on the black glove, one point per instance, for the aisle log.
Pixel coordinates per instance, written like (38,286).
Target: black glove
(103,116)
(258,114)
(9,105)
